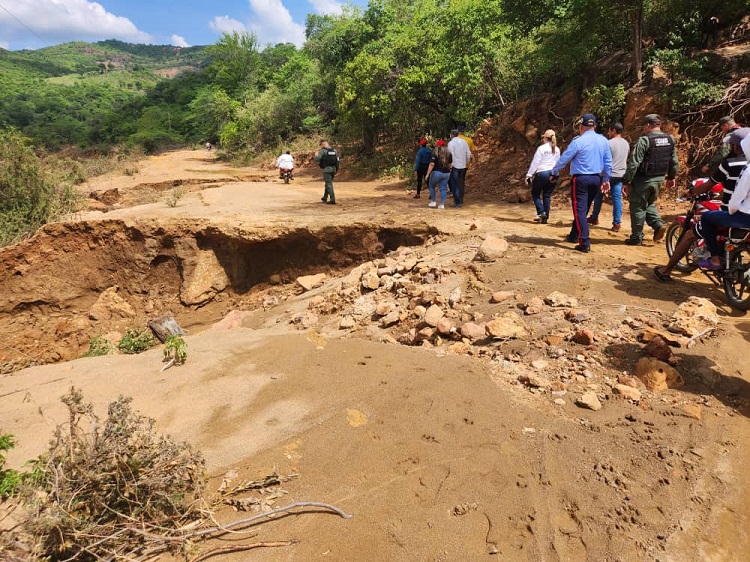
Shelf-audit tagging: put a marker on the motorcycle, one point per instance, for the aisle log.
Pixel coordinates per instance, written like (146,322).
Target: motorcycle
(287,175)
(735,276)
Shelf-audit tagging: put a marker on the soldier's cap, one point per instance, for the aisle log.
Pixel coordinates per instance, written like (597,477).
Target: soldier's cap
(652,119)
(588,120)
(725,120)
(736,136)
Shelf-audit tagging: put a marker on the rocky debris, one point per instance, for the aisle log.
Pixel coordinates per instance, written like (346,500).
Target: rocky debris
(346,323)
(534,380)
(576,315)
(558,299)
(110,305)
(696,316)
(370,280)
(232,320)
(305,320)
(491,249)
(584,337)
(692,411)
(649,334)
(657,375)
(433,315)
(507,326)
(203,278)
(390,319)
(627,392)
(455,297)
(445,326)
(589,400)
(275,279)
(534,306)
(659,349)
(383,308)
(473,331)
(540,364)
(501,296)
(309,282)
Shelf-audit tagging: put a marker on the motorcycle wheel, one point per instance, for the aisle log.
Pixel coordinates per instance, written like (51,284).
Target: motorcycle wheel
(686,264)
(286,178)
(737,279)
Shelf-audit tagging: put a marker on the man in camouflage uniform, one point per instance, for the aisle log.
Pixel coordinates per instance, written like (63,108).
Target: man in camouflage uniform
(654,156)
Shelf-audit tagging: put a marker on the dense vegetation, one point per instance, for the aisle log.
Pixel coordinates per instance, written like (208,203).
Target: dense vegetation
(404,67)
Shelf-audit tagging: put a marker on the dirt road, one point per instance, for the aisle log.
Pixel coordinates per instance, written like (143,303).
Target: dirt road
(441,447)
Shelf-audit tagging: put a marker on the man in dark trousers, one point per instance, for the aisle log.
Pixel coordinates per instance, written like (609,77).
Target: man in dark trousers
(654,156)
(726,125)
(590,167)
(328,159)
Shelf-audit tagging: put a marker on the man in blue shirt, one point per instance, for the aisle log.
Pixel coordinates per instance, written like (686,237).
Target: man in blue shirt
(590,167)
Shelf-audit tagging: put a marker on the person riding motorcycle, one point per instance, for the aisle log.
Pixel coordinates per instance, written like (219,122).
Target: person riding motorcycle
(726,174)
(285,162)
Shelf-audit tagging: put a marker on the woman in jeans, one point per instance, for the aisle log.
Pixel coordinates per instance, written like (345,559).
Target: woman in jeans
(545,158)
(438,173)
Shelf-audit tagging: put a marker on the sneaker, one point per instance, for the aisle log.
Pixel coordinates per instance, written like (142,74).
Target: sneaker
(537,218)
(660,232)
(633,242)
(592,221)
(441,206)
(432,204)
(615,228)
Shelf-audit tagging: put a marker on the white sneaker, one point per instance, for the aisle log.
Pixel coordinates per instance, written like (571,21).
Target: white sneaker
(432,204)
(441,206)
(537,218)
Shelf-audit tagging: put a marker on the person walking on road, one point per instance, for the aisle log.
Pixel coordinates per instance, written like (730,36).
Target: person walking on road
(328,159)
(461,155)
(422,162)
(590,167)
(438,173)
(654,157)
(538,174)
(620,149)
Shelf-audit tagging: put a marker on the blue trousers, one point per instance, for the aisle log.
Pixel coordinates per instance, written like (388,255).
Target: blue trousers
(713,219)
(438,179)
(457,184)
(583,190)
(541,192)
(615,190)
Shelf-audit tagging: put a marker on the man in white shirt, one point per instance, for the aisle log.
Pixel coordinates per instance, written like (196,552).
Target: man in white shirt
(461,154)
(285,162)
(738,215)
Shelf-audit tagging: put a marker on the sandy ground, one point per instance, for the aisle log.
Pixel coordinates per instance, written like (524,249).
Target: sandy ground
(437,456)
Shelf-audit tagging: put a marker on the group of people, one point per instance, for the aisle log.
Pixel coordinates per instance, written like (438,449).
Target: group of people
(600,166)
(444,167)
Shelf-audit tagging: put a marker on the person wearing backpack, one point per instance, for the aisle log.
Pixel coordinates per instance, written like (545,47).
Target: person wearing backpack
(328,159)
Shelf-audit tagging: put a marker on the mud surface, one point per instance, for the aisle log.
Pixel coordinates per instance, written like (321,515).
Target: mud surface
(439,449)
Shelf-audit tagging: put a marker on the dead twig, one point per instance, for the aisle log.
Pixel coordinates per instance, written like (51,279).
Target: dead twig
(271,513)
(241,548)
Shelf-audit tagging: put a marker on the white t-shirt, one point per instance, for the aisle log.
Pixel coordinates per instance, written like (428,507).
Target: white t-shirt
(460,152)
(544,159)
(285,162)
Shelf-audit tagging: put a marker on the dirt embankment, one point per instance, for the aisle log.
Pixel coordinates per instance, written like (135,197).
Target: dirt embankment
(446,438)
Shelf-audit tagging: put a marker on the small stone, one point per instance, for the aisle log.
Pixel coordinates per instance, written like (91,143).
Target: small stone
(627,392)
(576,315)
(309,282)
(559,401)
(584,337)
(390,319)
(385,271)
(659,349)
(589,400)
(459,348)
(491,249)
(383,308)
(445,326)
(473,331)
(274,279)
(534,306)
(433,315)
(346,323)
(539,364)
(555,340)
(507,326)
(693,411)
(534,380)
(501,296)
(558,299)
(370,280)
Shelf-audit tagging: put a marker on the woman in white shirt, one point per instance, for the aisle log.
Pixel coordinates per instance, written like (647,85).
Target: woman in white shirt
(545,158)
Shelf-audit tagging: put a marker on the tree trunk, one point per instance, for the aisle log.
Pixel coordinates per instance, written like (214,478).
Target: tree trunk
(638,41)
(164,327)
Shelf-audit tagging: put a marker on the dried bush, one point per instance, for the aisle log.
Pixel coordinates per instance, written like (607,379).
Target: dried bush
(112,490)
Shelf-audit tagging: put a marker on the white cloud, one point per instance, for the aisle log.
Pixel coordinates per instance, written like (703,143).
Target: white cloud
(327,6)
(179,41)
(225,24)
(272,23)
(4,45)
(66,20)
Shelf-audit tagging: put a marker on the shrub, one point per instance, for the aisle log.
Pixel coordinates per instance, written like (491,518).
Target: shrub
(99,346)
(29,195)
(607,103)
(136,341)
(174,197)
(9,478)
(175,348)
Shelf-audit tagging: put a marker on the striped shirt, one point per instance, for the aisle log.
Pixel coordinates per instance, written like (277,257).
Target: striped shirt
(727,175)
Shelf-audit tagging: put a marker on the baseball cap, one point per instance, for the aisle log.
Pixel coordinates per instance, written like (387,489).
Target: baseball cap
(422,142)
(652,119)
(461,128)
(588,120)
(440,142)
(736,136)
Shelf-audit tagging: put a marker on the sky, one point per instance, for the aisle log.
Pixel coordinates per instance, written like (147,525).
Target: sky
(33,24)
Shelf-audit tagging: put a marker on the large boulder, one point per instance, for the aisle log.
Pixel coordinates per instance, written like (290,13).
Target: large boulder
(694,317)
(491,249)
